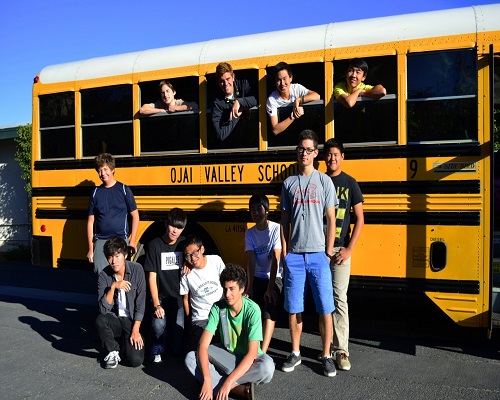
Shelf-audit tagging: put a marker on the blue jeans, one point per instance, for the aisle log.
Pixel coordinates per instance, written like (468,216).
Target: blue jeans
(169,330)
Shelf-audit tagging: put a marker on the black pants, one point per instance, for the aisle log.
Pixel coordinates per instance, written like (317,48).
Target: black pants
(110,328)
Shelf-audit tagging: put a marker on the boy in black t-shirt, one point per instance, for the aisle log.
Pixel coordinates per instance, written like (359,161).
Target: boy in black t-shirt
(350,197)
(163,263)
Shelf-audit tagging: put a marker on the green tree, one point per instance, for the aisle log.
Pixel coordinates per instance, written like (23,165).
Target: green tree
(23,154)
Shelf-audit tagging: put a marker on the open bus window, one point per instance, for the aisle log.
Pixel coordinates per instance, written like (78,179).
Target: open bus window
(107,120)
(57,125)
(242,133)
(311,76)
(171,131)
(442,96)
(368,120)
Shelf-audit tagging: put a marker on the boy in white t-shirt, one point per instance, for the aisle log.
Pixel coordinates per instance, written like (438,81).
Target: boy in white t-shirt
(263,247)
(286,94)
(200,287)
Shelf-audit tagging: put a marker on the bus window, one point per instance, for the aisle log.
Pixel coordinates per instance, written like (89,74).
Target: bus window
(57,125)
(311,76)
(107,120)
(442,96)
(171,131)
(245,134)
(369,120)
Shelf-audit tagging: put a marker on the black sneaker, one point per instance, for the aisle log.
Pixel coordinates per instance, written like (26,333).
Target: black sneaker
(112,360)
(291,362)
(328,366)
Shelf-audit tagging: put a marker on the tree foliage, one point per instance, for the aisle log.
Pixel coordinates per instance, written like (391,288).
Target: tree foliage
(23,154)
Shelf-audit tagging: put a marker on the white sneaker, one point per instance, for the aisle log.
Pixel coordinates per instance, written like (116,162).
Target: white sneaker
(112,360)
(156,353)
(157,358)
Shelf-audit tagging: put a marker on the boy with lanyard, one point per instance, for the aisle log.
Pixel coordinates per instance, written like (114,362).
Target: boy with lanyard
(305,199)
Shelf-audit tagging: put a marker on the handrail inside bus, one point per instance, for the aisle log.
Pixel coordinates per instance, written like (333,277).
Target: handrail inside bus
(465,96)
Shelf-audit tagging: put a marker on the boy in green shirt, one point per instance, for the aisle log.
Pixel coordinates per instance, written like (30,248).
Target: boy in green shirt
(239,363)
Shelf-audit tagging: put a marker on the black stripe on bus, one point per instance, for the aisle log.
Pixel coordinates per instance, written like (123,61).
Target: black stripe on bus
(413,284)
(405,187)
(471,149)
(471,218)
(366,283)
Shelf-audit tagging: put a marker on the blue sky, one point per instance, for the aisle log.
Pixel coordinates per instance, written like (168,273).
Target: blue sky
(34,35)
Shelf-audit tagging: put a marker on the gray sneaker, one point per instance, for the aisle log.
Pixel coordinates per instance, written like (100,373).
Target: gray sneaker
(328,366)
(112,360)
(291,362)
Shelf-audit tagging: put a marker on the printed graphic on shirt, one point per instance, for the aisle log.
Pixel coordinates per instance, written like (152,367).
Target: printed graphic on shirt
(207,288)
(171,260)
(343,197)
(264,249)
(306,195)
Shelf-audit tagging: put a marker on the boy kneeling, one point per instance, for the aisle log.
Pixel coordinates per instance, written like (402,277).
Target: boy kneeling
(239,363)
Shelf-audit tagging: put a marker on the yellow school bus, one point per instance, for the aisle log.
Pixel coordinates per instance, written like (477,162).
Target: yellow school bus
(422,154)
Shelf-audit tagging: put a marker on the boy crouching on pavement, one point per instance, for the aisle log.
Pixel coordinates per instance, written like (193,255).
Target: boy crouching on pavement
(122,300)
(239,363)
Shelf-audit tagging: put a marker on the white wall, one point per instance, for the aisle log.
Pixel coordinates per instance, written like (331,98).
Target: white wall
(15,218)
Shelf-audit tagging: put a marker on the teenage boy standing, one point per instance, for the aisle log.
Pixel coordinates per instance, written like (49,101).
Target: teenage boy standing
(263,247)
(163,264)
(109,205)
(350,196)
(305,199)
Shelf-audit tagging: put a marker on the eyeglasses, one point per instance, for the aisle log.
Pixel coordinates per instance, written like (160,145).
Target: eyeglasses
(195,253)
(301,150)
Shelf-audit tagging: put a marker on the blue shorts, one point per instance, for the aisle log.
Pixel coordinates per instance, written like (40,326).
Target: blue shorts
(316,267)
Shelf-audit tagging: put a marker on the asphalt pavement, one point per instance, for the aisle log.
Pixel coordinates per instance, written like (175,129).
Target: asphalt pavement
(400,349)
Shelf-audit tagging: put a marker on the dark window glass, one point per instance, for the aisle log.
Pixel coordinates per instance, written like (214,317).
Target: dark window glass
(57,109)
(442,96)
(313,118)
(109,104)
(444,73)
(442,120)
(311,76)
(369,120)
(57,143)
(245,134)
(116,139)
(178,131)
